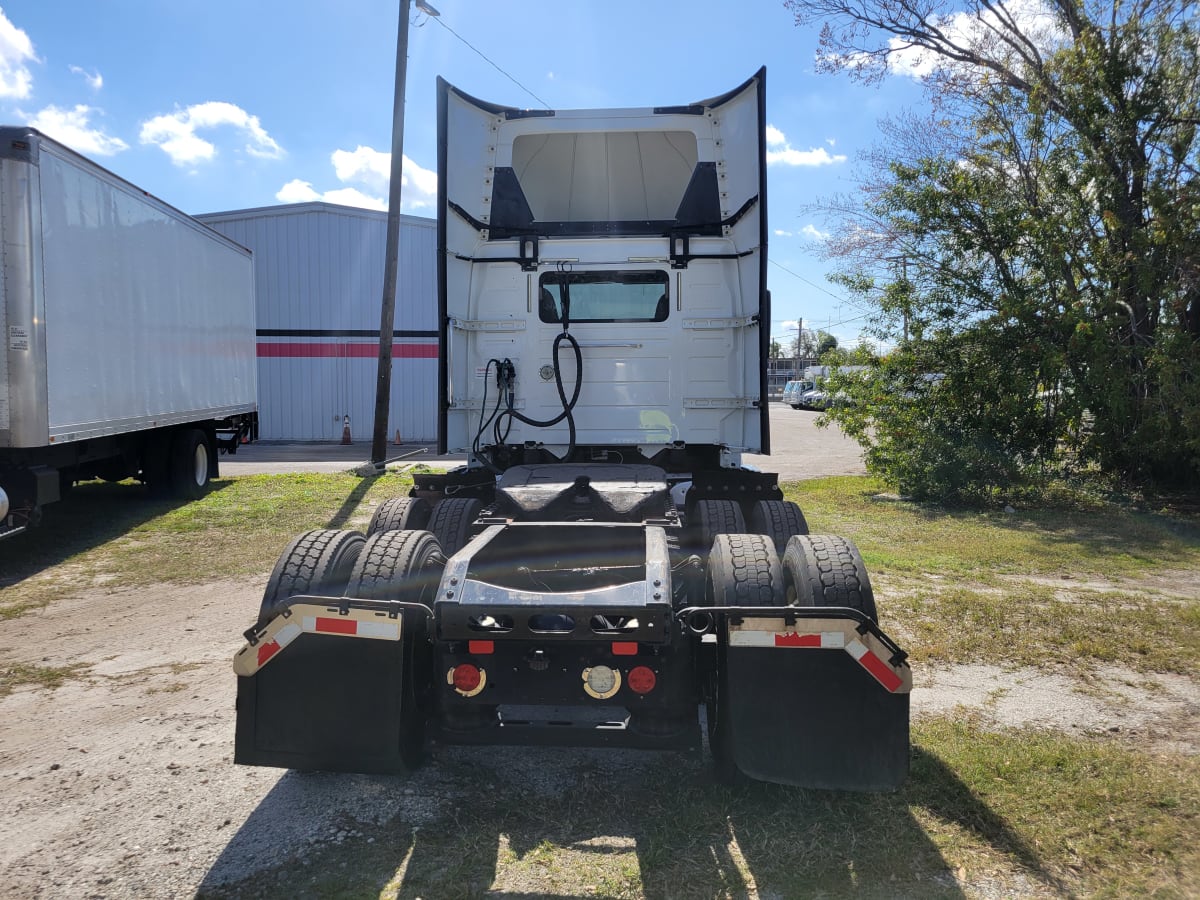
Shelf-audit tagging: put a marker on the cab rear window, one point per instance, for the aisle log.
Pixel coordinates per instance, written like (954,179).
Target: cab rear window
(604,296)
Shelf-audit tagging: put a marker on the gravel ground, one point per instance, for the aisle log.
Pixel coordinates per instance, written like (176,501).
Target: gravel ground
(120,783)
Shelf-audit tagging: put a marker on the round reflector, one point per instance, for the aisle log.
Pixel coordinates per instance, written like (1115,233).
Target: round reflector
(466,678)
(642,679)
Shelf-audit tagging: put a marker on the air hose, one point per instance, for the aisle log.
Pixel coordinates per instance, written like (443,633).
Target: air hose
(567,405)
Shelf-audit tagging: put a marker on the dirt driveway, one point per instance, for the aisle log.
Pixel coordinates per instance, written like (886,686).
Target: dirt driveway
(799,450)
(120,783)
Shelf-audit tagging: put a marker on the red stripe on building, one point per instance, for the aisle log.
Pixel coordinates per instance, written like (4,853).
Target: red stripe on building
(882,671)
(797,640)
(337,626)
(295,350)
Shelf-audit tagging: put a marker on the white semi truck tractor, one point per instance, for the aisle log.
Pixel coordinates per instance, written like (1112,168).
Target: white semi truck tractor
(603,571)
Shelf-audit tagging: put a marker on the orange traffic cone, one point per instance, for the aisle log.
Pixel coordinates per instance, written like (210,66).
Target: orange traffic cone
(397,441)
(346,431)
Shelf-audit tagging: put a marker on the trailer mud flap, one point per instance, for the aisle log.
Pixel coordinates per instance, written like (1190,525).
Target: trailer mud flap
(312,696)
(818,704)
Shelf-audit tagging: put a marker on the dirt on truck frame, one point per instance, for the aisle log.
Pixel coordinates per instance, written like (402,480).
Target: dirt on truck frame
(604,569)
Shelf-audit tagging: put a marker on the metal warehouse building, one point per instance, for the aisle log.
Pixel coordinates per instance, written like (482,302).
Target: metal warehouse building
(319,283)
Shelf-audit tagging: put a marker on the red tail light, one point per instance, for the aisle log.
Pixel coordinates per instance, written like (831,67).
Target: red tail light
(466,678)
(641,679)
(624,648)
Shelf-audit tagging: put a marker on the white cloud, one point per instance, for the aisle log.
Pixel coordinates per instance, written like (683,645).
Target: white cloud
(786,155)
(779,232)
(790,324)
(367,166)
(818,156)
(371,169)
(16,49)
(297,191)
(176,133)
(94,79)
(550,76)
(813,232)
(73,128)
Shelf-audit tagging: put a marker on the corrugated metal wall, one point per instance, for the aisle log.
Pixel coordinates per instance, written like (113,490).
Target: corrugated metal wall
(319,279)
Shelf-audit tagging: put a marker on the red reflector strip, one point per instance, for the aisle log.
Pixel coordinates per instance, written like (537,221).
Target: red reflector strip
(791,639)
(336,626)
(266,651)
(881,670)
(481,647)
(624,648)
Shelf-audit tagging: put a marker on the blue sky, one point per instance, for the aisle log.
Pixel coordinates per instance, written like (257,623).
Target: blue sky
(220,105)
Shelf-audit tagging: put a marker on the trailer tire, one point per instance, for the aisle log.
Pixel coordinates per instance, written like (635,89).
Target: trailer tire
(400,514)
(317,562)
(827,570)
(451,521)
(189,463)
(405,565)
(779,520)
(743,570)
(714,517)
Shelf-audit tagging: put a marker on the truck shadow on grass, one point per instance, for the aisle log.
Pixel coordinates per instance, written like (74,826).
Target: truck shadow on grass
(89,516)
(526,823)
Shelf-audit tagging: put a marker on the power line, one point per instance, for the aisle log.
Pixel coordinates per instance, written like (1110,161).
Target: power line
(806,281)
(492,64)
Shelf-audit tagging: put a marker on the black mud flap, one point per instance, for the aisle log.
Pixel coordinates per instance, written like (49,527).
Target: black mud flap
(311,696)
(817,704)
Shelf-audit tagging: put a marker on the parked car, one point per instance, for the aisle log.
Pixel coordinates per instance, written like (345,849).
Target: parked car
(812,399)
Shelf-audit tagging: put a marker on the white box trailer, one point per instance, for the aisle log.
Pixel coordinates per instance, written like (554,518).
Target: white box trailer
(128,333)
(604,566)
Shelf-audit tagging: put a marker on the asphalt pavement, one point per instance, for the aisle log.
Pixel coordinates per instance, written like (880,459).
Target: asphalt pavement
(799,450)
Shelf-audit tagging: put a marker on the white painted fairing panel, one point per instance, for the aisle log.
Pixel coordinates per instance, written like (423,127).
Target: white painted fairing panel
(572,203)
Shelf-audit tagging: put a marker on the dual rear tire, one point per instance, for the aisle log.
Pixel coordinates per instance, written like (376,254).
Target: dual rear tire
(178,463)
(402,565)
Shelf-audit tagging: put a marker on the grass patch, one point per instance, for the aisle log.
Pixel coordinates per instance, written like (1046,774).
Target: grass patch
(1105,541)
(1015,814)
(113,535)
(1029,625)
(13,675)
(987,586)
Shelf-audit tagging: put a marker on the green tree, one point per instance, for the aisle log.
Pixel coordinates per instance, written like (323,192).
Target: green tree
(814,344)
(1042,236)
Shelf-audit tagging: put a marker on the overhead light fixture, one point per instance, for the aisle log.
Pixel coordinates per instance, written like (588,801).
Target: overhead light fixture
(426,8)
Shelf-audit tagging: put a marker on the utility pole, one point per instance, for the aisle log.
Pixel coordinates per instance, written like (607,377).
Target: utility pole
(387,318)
